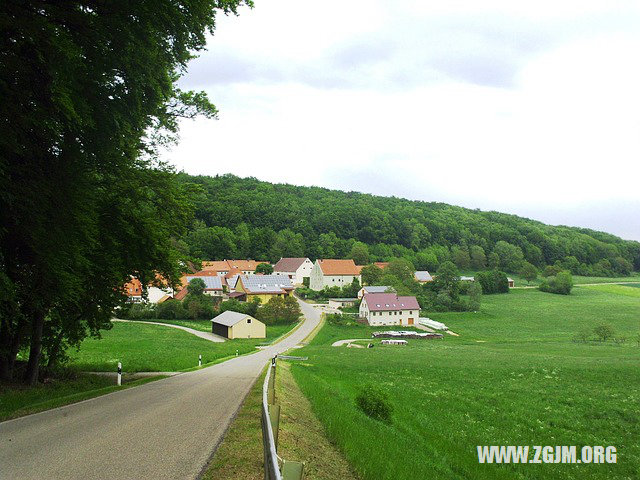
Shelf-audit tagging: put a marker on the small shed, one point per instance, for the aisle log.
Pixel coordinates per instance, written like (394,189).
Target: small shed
(511,282)
(237,325)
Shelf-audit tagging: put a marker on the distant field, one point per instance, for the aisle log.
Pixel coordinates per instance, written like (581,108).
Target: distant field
(513,377)
(628,290)
(154,348)
(577,279)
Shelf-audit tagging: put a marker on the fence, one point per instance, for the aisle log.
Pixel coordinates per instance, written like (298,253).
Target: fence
(270,423)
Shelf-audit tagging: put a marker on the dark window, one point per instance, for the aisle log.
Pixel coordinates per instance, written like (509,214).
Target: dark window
(248,320)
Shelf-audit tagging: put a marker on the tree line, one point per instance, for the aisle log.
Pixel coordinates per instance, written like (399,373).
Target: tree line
(247,218)
(89,92)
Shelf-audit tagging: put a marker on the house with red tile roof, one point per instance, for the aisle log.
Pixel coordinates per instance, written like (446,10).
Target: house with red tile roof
(222,267)
(389,309)
(333,273)
(294,268)
(133,290)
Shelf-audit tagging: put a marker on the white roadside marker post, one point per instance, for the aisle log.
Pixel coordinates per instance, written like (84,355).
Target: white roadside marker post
(236,353)
(119,373)
(199,360)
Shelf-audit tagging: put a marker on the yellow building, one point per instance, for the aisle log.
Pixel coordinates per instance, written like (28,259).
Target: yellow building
(264,287)
(238,325)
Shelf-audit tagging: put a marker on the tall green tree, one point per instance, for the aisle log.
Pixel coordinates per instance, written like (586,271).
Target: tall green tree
(529,272)
(371,274)
(359,253)
(478,257)
(89,91)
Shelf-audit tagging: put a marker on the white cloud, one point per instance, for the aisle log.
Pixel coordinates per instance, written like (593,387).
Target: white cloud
(501,106)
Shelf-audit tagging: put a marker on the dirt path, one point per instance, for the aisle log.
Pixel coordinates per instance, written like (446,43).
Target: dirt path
(206,335)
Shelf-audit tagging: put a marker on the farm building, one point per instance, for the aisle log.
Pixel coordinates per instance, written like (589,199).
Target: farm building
(263,287)
(374,289)
(333,273)
(222,267)
(294,268)
(342,302)
(423,276)
(389,309)
(133,290)
(238,325)
(511,282)
(212,284)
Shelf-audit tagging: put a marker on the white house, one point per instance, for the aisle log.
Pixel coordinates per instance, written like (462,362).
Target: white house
(374,289)
(389,309)
(423,276)
(294,268)
(333,273)
(159,295)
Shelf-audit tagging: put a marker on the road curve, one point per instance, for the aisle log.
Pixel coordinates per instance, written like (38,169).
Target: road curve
(166,429)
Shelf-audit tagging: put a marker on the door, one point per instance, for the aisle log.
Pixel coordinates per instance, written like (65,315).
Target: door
(411,321)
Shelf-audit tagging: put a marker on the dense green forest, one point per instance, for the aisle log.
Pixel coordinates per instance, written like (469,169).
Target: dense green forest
(248,218)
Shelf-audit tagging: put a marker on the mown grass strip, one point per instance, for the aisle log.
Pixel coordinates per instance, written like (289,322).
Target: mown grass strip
(239,455)
(18,401)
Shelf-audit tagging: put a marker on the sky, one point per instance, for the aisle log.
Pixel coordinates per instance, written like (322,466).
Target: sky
(531,108)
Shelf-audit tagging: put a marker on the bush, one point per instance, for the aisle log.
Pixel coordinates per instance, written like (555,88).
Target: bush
(582,336)
(170,310)
(561,284)
(493,281)
(603,332)
(140,311)
(374,402)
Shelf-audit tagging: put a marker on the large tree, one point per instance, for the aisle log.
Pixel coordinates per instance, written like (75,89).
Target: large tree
(88,93)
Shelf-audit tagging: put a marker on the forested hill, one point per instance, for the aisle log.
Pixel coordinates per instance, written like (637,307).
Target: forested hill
(248,218)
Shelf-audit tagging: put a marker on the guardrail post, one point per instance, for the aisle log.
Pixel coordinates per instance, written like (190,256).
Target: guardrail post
(274,417)
(271,387)
(292,470)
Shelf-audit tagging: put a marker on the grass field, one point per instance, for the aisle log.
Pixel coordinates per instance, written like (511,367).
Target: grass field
(513,377)
(577,279)
(17,400)
(154,348)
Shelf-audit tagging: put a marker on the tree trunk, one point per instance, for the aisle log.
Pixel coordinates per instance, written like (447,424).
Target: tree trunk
(10,345)
(35,350)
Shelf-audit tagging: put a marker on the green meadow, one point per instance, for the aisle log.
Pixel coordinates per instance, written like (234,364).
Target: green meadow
(154,348)
(514,376)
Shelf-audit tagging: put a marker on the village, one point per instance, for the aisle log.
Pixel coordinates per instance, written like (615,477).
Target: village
(251,281)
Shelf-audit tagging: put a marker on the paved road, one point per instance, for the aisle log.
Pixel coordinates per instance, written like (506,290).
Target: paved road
(206,335)
(166,429)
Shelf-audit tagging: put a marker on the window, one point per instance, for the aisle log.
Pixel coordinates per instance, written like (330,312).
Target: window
(248,320)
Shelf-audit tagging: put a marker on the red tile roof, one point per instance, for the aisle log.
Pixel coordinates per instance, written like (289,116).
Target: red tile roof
(133,288)
(382,302)
(339,267)
(181,294)
(288,264)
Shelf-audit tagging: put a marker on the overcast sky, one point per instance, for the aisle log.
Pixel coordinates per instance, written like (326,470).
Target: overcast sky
(532,109)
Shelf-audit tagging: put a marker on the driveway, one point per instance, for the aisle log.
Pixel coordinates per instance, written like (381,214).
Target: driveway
(166,429)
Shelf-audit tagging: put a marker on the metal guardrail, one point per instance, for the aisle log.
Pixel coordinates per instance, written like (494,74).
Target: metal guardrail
(270,420)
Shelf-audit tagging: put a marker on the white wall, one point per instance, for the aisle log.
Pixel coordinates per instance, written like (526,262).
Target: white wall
(303,270)
(155,294)
(395,317)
